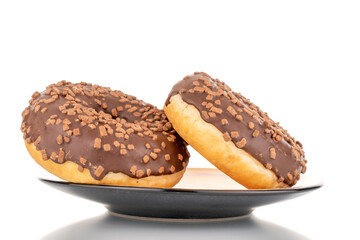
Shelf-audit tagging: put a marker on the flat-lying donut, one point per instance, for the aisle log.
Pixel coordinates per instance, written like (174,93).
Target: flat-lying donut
(90,134)
(234,134)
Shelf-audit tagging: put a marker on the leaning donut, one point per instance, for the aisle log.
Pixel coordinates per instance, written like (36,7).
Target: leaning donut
(90,134)
(234,134)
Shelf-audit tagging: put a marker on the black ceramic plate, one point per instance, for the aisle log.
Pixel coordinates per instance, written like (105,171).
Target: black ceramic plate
(201,194)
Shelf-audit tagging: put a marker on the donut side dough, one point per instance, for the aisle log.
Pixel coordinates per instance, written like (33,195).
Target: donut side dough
(209,142)
(69,171)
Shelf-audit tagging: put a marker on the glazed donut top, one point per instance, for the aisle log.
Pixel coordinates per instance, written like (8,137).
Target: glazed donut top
(102,130)
(244,124)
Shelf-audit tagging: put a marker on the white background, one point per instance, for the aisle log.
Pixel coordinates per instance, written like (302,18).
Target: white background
(298,60)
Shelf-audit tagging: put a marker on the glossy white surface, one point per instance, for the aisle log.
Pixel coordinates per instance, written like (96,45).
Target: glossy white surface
(107,227)
(298,60)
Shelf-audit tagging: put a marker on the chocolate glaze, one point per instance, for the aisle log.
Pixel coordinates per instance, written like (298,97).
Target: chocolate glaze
(87,114)
(289,161)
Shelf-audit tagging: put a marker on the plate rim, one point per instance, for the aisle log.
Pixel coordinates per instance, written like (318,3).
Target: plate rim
(188,190)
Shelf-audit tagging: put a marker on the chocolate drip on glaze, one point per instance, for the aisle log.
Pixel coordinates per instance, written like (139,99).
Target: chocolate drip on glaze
(244,124)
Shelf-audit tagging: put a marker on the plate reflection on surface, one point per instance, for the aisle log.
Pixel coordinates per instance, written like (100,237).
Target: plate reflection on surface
(107,226)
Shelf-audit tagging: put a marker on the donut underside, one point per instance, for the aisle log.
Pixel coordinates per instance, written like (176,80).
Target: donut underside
(69,172)
(209,142)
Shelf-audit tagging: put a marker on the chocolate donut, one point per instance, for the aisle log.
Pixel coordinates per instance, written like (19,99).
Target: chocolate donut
(234,134)
(90,134)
